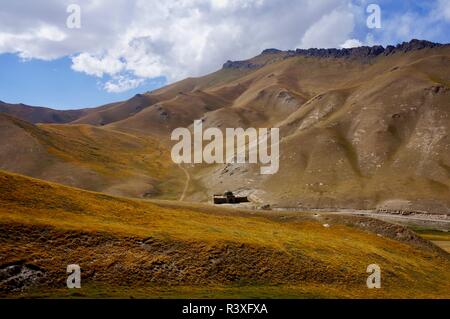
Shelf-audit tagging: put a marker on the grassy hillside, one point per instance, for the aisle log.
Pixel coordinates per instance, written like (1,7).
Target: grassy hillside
(34,114)
(90,157)
(154,249)
(438,237)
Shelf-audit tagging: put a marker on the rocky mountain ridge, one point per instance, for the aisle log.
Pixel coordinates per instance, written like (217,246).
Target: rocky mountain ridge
(363,52)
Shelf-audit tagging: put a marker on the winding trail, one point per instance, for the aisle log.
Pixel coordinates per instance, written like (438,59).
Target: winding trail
(186,185)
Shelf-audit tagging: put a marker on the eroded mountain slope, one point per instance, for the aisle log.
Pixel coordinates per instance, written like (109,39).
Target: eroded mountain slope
(359,128)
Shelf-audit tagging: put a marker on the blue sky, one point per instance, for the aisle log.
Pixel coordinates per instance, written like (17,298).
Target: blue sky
(125,47)
(54,84)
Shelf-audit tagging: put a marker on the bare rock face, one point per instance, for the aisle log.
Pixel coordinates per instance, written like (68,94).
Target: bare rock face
(416,45)
(360,52)
(364,52)
(241,65)
(18,277)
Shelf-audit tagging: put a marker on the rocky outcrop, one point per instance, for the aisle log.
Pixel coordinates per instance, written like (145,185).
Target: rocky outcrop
(364,52)
(241,65)
(271,51)
(412,45)
(359,52)
(368,52)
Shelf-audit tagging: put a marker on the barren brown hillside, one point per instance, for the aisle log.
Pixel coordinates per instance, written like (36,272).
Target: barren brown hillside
(360,128)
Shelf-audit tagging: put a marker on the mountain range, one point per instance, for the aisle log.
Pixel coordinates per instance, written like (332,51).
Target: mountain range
(360,128)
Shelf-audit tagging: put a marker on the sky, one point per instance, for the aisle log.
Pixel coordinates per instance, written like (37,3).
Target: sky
(69,54)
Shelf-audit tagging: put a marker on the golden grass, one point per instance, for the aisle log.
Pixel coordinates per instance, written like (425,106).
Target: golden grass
(439,238)
(106,151)
(410,271)
(120,158)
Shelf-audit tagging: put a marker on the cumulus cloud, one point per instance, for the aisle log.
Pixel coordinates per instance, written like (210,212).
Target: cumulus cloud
(97,65)
(443,9)
(330,30)
(122,83)
(351,43)
(125,41)
(35,43)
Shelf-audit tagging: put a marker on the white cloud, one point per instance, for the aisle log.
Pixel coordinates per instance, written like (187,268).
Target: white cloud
(35,43)
(234,4)
(50,33)
(140,39)
(330,30)
(97,65)
(351,43)
(122,83)
(130,40)
(443,9)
